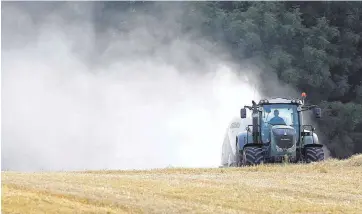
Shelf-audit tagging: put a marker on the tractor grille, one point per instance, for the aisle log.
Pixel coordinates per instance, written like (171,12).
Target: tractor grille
(284,138)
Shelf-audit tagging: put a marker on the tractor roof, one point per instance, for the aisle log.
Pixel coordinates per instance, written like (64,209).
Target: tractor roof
(279,100)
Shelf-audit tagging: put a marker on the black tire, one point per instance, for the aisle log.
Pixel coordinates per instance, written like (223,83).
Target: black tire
(252,156)
(314,154)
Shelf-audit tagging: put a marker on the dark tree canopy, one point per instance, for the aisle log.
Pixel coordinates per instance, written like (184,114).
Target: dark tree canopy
(314,46)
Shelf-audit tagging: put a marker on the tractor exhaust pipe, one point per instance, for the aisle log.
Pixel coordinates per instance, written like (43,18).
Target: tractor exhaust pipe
(255,123)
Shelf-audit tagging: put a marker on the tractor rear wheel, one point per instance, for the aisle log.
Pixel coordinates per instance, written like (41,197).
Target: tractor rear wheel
(252,156)
(314,154)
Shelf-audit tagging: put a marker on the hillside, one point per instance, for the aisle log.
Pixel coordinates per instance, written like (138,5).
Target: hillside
(329,187)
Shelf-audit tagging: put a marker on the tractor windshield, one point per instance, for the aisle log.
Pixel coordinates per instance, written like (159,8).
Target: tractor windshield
(278,114)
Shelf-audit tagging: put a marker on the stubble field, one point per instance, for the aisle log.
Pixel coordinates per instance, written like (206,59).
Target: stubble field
(329,187)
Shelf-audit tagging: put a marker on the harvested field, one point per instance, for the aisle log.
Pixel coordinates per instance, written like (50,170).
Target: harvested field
(329,187)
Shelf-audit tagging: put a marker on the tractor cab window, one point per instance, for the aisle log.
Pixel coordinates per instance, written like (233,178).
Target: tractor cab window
(278,114)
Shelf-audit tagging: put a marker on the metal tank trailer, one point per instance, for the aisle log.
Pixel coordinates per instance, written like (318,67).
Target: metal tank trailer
(277,134)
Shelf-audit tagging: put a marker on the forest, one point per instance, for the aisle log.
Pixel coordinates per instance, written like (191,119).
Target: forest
(314,46)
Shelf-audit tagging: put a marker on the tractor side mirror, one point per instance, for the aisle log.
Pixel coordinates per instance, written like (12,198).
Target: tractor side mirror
(318,112)
(243,113)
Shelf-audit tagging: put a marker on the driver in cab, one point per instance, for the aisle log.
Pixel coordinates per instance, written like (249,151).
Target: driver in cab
(276,120)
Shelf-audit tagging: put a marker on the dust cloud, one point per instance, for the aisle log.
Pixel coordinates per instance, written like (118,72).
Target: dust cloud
(134,92)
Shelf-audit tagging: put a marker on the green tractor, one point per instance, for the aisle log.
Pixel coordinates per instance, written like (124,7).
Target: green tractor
(277,134)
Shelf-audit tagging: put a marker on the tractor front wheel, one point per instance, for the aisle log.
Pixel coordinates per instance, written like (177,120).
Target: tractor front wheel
(314,154)
(253,156)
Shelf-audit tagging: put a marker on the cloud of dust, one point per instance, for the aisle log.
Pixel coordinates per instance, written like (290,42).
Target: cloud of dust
(139,94)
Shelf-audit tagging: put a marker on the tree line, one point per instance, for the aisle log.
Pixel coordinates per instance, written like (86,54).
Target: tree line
(316,47)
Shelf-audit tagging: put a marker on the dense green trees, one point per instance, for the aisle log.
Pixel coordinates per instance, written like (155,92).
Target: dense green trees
(314,46)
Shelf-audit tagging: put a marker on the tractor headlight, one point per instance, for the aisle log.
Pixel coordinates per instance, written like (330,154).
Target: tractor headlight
(264,101)
(292,149)
(278,148)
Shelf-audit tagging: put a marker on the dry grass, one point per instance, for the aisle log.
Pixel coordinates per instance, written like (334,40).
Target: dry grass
(329,187)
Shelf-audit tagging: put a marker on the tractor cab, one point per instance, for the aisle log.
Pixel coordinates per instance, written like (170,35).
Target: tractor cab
(279,115)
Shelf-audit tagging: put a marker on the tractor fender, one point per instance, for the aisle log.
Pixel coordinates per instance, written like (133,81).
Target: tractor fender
(310,139)
(242,141)
(253,145)
(313,145)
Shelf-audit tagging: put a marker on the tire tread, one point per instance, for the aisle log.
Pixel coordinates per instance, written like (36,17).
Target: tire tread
(314,154)
(254,155)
